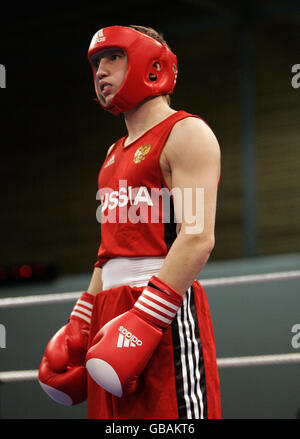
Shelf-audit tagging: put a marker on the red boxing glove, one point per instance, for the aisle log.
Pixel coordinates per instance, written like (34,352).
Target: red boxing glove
(123,347)
(62,374)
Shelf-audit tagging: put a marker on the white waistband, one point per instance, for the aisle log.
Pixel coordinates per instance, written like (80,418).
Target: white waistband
(134,272)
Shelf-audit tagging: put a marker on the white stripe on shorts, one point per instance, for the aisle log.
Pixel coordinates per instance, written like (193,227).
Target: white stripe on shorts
(190,362)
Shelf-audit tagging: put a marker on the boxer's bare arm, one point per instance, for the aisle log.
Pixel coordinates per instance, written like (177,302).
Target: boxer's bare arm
(96,281)
(192,160)
(109,149)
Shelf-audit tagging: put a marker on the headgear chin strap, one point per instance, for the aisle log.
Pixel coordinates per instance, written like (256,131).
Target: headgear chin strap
(142,79)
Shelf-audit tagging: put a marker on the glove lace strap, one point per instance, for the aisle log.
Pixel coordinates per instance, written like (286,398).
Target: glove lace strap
(157,305)
(83,308)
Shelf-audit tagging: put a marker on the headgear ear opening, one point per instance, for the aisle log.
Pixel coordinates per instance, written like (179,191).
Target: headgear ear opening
(151,66)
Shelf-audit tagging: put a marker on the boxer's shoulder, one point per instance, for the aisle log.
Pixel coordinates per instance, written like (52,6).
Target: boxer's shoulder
(190,136)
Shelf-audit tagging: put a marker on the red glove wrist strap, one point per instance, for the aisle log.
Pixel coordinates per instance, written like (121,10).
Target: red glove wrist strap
(83,308)
(158,303)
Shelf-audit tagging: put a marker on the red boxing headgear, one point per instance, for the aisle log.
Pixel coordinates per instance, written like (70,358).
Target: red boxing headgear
(142,79)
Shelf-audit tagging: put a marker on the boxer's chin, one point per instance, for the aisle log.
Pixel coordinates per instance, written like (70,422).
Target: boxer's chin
(108,99)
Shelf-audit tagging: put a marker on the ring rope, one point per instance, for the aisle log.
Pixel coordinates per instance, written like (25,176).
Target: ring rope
(258,360)
(25,375)
(41,299)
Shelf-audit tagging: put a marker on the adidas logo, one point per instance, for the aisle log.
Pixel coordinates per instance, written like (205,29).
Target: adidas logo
(100,37)
(126,339)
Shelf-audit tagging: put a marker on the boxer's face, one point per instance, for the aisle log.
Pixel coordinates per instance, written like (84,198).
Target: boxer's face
(111,70)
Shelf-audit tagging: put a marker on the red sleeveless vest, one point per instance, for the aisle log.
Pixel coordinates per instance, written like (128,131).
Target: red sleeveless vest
(136,211)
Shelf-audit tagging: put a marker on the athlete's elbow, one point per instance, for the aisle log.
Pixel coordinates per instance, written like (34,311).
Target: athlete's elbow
(201,243)
(203,248)
(206,244)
